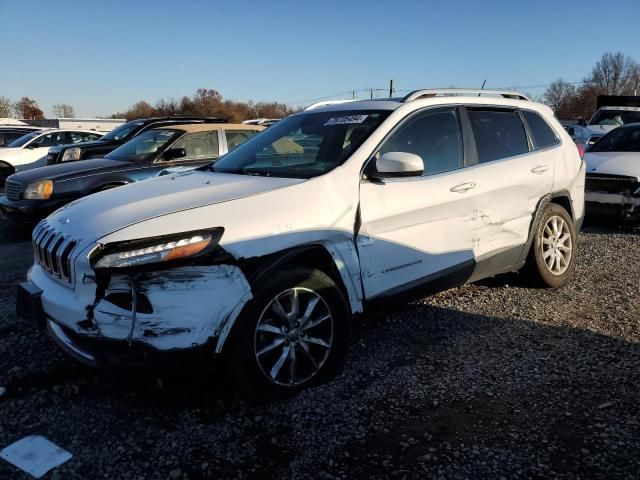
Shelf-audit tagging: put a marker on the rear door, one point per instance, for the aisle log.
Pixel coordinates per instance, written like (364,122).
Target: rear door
(511,177)
(415,231)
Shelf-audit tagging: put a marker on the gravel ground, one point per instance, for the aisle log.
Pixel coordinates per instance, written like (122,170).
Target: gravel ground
(492,380)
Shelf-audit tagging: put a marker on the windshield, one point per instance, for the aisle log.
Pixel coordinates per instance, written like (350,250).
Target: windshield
(619,140)
(615,117)
(22,141)
(144,145)
(303,146)
(122,131)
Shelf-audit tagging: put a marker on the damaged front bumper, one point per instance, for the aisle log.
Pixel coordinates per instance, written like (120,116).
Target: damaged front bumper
(627,205)
(186,308)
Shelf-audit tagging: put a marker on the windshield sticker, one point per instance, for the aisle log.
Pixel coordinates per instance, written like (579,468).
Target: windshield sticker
(346,120)
(165,134)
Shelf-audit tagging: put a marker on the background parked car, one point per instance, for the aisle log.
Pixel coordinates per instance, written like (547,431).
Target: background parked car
(613,111)
(35,194)
(30,150)
(117,137)
(613,174)
(10,133)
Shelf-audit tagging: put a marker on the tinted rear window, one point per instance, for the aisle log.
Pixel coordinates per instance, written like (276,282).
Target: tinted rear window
(498,134)
(543,135)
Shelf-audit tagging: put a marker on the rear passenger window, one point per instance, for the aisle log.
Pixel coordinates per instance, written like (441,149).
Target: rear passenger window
(543,135)
(235,138)
(434,137)
(498,134)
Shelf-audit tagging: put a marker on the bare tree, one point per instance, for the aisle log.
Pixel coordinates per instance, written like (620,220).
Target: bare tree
(614,74)
(28,109)
(6,107)
(558,96)
(63,110)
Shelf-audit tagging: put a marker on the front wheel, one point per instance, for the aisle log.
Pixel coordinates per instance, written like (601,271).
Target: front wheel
(291,335)
(552,257)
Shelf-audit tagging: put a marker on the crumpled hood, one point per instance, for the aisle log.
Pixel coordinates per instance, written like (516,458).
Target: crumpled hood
(97,215)
(613,163)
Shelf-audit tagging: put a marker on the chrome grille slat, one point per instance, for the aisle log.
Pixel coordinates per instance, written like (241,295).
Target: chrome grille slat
(59,259)
(13,189)
(52,251)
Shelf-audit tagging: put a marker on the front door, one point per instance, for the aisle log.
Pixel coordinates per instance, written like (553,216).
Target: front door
(416,231)
(201,148)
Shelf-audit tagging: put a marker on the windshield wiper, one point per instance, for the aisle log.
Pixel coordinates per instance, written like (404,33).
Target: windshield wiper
(256,173)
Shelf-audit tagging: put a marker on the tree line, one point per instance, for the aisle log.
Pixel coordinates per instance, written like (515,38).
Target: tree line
(613,74)
(207,102)
(28,109)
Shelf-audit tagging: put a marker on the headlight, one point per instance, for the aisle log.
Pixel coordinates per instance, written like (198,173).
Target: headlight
(157,250)
(41,190)
(71,154)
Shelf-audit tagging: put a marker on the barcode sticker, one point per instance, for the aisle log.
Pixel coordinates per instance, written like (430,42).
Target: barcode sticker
(346,120)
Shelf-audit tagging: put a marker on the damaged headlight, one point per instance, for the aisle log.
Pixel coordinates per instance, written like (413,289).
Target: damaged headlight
(156,250)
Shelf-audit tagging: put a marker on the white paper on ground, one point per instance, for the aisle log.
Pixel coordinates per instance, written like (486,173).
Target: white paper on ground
(35,455)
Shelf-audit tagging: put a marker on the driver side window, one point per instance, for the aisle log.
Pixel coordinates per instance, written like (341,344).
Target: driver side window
(432,135)
(199,145)
(50,140)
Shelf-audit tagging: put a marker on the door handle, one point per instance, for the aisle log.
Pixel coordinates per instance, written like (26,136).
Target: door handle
(463,187)
(539,169)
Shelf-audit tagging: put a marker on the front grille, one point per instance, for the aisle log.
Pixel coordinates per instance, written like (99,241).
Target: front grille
(52,251)
(601,182)
(13,190)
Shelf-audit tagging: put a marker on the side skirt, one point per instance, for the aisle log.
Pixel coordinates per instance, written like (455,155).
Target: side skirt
(429,285)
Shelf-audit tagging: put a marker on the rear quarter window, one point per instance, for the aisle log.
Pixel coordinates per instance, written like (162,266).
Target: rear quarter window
(543,135)
(498,134)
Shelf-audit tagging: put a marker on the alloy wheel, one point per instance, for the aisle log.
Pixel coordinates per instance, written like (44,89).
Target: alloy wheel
(557,245)
(293,336)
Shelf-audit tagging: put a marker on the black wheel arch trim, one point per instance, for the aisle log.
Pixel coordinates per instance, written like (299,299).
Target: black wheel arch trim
(535,221)
(256,269)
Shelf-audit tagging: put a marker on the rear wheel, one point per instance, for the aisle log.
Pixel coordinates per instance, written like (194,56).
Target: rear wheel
(291,335)
(553,252)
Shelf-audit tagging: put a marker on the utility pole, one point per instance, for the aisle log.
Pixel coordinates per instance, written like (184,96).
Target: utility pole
(371,90)
(391,88)
(353,95)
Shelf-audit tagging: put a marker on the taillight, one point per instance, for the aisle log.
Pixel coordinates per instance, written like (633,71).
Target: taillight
(580,150)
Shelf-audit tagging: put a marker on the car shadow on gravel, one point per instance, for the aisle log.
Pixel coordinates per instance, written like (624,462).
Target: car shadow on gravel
(426,391)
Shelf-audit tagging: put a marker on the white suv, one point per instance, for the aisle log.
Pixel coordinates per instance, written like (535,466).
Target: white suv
(269,253)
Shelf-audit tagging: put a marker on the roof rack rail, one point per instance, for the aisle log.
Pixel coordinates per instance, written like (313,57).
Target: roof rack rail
(451,92)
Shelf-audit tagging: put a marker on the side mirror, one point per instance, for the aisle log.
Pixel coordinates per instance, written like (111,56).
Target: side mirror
(174,153)
(398,164)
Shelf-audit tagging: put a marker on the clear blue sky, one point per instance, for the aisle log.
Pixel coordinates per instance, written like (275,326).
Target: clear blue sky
(102,56)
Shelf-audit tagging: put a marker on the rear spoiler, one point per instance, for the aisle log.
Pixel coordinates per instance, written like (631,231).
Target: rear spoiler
(618,101)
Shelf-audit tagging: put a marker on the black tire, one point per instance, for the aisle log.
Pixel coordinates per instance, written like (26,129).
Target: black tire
(250,373)
(538,269)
